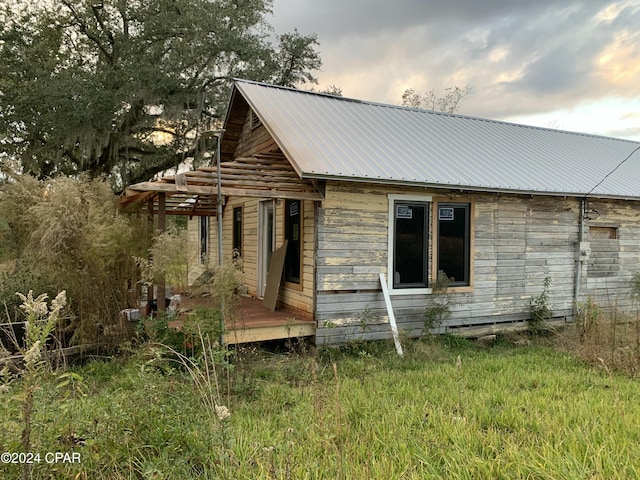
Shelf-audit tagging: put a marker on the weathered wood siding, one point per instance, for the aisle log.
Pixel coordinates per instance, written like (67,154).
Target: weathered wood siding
(518,241)
(300,297)
(296,297)
(613,261)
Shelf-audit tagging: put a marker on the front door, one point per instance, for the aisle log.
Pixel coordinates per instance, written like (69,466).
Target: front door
(266,242)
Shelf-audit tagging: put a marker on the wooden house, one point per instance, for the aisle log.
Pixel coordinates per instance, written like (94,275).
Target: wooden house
(357,189)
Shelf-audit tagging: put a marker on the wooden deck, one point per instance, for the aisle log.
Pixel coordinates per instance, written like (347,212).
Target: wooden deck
(257,324)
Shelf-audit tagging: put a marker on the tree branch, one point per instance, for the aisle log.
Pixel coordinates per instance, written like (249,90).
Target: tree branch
(85,29)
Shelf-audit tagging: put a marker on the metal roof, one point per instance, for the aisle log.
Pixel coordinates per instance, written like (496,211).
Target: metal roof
(328,137)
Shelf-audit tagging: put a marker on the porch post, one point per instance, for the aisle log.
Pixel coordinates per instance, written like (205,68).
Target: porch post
(220,199)
(162,226)
(150,239)
(220,232)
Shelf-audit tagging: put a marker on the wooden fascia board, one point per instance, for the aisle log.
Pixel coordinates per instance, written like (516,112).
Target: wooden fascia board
(236,109)
(244,192)
(143,191)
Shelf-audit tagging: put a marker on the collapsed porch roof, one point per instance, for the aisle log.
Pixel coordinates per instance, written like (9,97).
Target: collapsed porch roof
(195,193)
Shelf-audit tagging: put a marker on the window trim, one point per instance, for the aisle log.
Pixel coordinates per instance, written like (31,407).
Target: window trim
(613,230)
(434,245)
(393,198)
(237,236)
(289,283)
(203,236)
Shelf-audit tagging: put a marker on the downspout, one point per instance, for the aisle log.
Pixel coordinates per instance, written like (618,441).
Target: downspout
(582,253)
(218,134)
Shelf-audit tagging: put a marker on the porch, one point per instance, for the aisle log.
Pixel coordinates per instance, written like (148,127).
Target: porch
(255,323)
(207,192)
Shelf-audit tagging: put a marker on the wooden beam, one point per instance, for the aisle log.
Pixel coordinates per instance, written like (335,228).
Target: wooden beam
(162,226)
(130,196)
(170,188)
(149,240)
(260,334)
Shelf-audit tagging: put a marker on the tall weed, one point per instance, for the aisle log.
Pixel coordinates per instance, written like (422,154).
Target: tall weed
(540,309)
(69,234)
(605,337)
(166,259)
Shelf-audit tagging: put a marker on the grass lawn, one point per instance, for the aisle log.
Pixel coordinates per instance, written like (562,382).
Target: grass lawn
(448,409)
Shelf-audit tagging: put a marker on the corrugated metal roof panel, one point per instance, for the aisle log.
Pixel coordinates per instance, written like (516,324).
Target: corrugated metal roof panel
(334,137)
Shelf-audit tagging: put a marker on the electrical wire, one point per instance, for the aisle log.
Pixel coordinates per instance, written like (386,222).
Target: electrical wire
(612,171)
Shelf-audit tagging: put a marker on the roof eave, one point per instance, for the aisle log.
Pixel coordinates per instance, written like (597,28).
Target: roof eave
(467,188)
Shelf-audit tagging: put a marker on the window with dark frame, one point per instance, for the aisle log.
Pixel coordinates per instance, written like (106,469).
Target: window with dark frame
(204,238)
(410,244)
(237,232)
(293,233)
(453,237)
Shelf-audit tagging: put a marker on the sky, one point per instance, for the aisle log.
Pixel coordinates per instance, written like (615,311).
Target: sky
(571,65)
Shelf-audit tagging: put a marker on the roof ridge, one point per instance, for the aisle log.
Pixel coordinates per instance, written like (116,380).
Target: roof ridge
(434,112)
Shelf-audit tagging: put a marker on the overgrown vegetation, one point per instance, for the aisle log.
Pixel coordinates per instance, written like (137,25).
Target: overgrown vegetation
(540,309)
(68,234)
(438,309)
(166,259)
(604,336)
(448,409)
(41,322)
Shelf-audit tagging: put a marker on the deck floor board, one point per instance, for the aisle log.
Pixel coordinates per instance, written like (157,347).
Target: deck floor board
(255,323)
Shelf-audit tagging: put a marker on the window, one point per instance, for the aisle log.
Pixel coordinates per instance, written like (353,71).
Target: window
(454,242)
(237,232)
(410,253)
(293,231)
(428,238)
(204,238)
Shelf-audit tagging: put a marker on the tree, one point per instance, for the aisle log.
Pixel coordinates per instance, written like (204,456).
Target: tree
(127,87)
(334,90)
(448,103)
(296,59)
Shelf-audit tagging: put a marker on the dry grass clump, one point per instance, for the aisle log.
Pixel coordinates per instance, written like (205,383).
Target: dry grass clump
(605,337)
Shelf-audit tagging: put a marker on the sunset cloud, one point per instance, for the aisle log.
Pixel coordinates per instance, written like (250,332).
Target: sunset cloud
(522,59)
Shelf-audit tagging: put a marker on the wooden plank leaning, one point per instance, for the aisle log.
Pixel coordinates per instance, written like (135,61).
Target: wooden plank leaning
(392,318)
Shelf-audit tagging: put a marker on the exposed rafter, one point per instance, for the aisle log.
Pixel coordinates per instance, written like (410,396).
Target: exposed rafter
(194,193)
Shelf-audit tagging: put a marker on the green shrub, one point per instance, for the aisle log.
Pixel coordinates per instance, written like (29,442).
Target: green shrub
(437,310)
(541,311)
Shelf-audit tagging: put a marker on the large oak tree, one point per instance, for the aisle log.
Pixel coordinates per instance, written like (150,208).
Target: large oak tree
(126,87)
